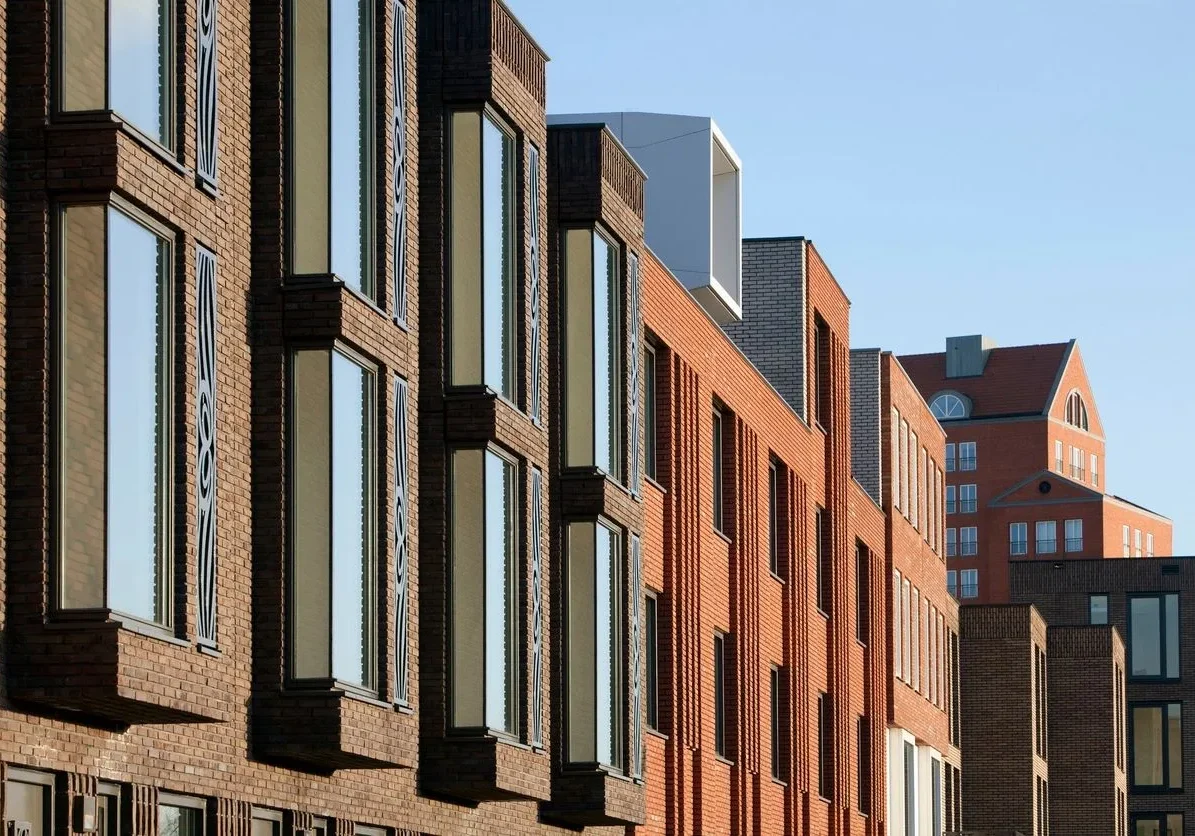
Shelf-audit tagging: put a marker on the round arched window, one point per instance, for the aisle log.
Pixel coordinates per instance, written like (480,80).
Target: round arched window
(948,407)
(1076,411)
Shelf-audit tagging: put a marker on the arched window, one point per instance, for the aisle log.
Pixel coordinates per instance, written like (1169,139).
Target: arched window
(1076,411)
(948,407)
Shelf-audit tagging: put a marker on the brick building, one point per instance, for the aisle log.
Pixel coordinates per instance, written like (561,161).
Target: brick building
(379,466)
(1150,604)
(1026,463)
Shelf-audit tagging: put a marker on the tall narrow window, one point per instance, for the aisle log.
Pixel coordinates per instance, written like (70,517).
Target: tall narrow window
(950,465)
(950,499)
(1136,542)
(951,542)
(968,541)
(481,241)
(593,352)
(485,603)
(907,629)
(780,723)
(1047,536)
(969,583)
(333,591)
(862,594)
(968,502)
(911,787)
(651,628)
(1074,535)
(115,385)
(935,782)
(952,582)
(1095,470)
(1157,754)
(716,464)
(956,730)
(1018,538)
(894,433)
(863,779)
(821,370)
(1149,545)
(967,459)
(333,122)
(1154,631)
(916,660)
(119,56)
(649,411)
(595,659)
(1118,712)
(1124,538)
(822,534)
(904,468)
(897,661)
(1058,463)
(914,480)
(825,746)
(1098,606)
(773,519)
(720,695)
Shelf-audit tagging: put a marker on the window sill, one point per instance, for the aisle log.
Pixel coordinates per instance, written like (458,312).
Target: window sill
(101,119)
(823,613)
(651,480)
(722,759)
(776,577)
(656,733)
(723,536)
(779,782)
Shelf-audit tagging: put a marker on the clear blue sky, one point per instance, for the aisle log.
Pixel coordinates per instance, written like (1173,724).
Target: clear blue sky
(1022,169)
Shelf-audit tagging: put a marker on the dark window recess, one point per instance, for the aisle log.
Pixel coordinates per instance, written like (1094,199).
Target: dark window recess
(651,629)
(862,593)
(821,371)
(864,777)
(822,538)
(781,718)
(649,411)
(774,518)
(825,747)
(718,476)
(720,673)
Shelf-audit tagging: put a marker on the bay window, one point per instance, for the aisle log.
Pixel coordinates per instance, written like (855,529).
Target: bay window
(332,117)
(115,385)
(118,55)
(482,253)
(485,610)
(594,644)
(593,351)
(333,588)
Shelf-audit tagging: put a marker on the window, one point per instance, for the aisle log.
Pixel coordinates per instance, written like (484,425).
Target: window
(485,510)
(719,521)
(1098,609)
(896,654)
(1074,535)
(951,542)
(1043,808)
(1076,411)
(948,407)
(773,521)
(907,628)
(956,729)
(967,499)
(966,456)
(126,69)
(825,746)
(1157,747)
(1047,537)
(1040,736)
(482,256)
(936,797)
(180,815)
(720,695)
(108,810)
(915,662)
(266,822)
(649,411)
(1095,470)
(949,458)
(910,788)
(950,499)
(333,114)
(823,534)
(1154,636)
(895,433)
(1124,536)
(781,715)
(914,500)
(969,583)
(1077,458)
(333,590)
(1118,710)
(968,541)
(1149,545)
(863,779)
(115,382)
(596,596)
(651,629)
(862,594)
(592,324)
(904,467)
(952,582)
(1136,542)
(1018,538)
(1157,824)
(931,503)
(931,641)
(1058,455)
(821,371)
(28,797)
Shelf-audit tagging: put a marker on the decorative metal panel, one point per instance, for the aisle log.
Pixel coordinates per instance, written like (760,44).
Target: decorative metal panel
(205,105)
(537,609)
(533,291)
(400,161)
(401,550)
(637,752)
(205,422)
(636,363)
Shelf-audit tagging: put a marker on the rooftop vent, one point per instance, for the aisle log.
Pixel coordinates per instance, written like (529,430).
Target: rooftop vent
(967,356)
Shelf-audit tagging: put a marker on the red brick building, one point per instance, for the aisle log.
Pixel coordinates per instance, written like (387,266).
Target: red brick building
(1026,463)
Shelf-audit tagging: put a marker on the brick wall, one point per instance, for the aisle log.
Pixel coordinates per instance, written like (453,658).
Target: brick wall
(866,465)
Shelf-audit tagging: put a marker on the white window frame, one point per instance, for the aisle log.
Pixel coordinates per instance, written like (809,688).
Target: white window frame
(1073,529)
(950,458)
(964,584)
(952,542)
(1013,541)
(1050,527)
(952,582)
(964,460)
(968,536)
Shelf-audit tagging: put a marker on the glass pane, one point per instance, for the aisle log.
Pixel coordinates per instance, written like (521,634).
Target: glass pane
(350,137)
(1172,636)
(1174,824)
(352,587)
(1145,629)
(84,447)
(83,70)
(607,655)
(605,355)
(1174,751)
(468,587)
(500,606)
(1148,827)
(579,391)
(310,145)
(465,256)
(498,257)
(582,643)
(137,403)
(649,412)
(1147,746)
(140,60)
(27,802)
(312,528)
(178,821)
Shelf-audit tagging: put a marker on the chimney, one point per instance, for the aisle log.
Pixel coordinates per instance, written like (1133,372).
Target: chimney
(967,356)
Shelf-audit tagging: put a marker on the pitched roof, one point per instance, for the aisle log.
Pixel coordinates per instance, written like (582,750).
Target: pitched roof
(1017,380)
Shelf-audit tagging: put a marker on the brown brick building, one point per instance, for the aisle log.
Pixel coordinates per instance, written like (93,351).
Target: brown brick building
(369,469)
(1026,463)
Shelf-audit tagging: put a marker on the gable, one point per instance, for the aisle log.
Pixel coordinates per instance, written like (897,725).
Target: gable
(1061,489)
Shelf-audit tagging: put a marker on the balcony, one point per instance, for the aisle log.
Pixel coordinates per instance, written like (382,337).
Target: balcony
(967,506)
(970,549)
(1047,546)
(970,590)
(966,462)
(1078,473)
(1018,547)
(1074,544)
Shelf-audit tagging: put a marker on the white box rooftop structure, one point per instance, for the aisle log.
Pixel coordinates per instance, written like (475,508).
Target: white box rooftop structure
(694,199)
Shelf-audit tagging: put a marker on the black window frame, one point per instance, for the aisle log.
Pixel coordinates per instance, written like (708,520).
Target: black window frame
(862,593)
(1163,649)
(717,439)
(774,517)
(650,392)
(1164,788)
(651,630)
(780,722)
(1161,819)
(824,562)
(721,748)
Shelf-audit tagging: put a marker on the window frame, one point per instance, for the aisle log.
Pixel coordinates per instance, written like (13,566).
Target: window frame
(33,777)
(184,802)
(167,557)
(862,594)
(825,747)
(823,560)
(718,477)
(968,463)
(952,582)
(1161,819)
(964,586)
(863,765)
(651,637)
(951,499)
(1165,787)
(951,457)
(721,749)
(1045,545)
(1091,598)
(774,518)
(650,393)
(1073,544)
(968,547)
(952,542)
(965,505)
(1163,637)
(1013,542)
